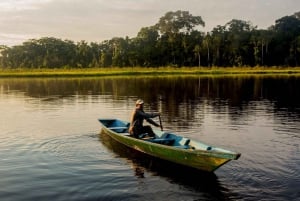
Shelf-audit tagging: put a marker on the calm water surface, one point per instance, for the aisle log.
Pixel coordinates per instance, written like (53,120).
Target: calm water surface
(52,148)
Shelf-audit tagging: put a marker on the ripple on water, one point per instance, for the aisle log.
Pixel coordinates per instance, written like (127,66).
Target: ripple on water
(77,164)
(272,174)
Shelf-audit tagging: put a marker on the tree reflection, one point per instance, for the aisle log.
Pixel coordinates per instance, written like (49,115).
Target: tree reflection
(177,97)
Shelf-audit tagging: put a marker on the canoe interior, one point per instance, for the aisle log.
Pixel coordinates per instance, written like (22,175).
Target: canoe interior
(115,125)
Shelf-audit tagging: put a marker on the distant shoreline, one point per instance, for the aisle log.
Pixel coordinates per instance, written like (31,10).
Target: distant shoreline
(139,71)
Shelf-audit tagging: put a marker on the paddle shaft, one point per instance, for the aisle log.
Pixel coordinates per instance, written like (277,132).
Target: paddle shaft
(161,127)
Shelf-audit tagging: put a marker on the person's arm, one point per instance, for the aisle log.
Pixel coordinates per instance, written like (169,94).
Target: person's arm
(152,122)
(147,115)
(152,115)
(131,122)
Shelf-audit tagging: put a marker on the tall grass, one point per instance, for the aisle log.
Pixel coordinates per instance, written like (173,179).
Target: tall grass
(129,71)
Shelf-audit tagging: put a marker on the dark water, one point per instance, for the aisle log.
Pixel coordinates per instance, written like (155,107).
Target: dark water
(51,146)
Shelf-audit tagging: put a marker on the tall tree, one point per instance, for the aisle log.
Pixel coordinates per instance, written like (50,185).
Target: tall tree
(106,52)
(206,44)
(238,34)
(172,23)
(146,42)
(286,29)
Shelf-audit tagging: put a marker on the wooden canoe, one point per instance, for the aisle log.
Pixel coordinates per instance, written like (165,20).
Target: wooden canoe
(171,147)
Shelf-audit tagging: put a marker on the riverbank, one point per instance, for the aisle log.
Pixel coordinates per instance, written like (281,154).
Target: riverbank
(98,72)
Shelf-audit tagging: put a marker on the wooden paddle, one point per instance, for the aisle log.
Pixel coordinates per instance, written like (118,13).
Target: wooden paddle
(161,127)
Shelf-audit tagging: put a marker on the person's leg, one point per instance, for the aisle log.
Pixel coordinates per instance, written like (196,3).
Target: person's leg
(148,129)
(137,132)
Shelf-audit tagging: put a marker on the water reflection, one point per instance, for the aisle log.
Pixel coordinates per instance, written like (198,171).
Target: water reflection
(206,183)
(180,99)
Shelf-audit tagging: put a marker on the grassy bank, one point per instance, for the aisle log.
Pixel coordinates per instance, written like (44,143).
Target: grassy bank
(97,72)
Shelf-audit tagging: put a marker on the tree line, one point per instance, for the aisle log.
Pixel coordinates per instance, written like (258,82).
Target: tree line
(175,40)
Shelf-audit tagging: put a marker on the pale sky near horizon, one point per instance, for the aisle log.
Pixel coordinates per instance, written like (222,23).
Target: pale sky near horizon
(99,20)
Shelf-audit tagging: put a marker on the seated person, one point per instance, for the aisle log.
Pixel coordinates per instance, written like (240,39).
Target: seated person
(136,123)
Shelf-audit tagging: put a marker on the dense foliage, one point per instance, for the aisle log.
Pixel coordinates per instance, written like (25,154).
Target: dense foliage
(174,41)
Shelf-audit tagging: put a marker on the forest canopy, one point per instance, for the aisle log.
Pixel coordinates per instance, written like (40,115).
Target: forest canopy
(175,40)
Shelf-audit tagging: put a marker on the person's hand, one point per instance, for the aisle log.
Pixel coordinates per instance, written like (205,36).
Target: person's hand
(130,129)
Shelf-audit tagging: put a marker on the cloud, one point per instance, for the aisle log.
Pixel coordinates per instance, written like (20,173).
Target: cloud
(13,39)
(17,5)
(98,20)
(77,20)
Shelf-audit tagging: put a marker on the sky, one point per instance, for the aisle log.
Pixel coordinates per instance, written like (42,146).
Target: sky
(99,20)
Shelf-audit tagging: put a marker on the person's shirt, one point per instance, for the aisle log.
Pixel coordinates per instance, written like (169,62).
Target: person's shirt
(138,117)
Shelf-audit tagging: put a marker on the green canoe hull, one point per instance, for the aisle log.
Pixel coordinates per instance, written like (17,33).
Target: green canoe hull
(199,159)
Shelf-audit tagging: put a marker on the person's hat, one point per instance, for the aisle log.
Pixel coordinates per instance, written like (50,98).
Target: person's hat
(139,102)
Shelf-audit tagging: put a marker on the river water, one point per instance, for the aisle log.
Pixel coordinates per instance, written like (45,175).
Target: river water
(52,147)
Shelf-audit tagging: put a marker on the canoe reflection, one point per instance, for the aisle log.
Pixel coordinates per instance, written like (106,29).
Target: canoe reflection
(198,180)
